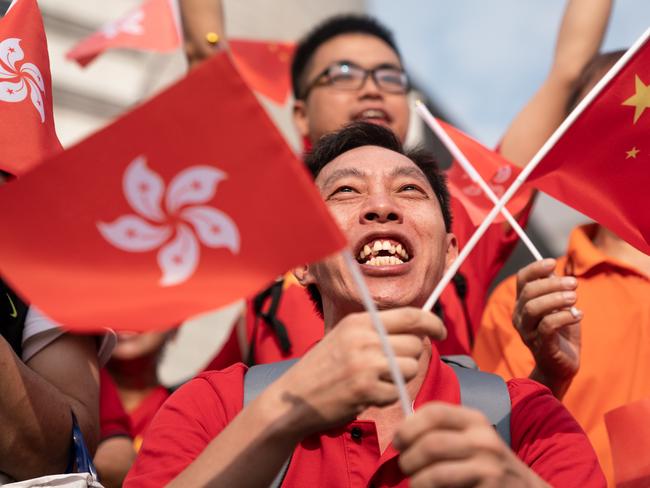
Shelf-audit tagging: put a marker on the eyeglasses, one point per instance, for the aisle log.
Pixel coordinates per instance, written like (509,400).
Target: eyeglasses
(344,75)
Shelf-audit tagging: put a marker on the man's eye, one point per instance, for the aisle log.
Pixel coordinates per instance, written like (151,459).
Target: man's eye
(344,189)
(410,188)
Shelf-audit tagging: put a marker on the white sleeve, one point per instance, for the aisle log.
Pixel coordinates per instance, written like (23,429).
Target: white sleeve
(40,331)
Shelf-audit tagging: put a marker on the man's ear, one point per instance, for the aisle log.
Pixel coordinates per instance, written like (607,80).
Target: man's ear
(304,275)
(451,250)
(300,120)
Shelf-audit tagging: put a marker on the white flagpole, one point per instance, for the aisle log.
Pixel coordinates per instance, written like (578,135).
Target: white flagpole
(370,306)
(530,167)
(457,154)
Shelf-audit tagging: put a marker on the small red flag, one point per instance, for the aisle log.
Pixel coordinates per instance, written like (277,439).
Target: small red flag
(600,165)
(27,134)
(629,437)
(170,211)
(265,65)
(497,172)
(152,27)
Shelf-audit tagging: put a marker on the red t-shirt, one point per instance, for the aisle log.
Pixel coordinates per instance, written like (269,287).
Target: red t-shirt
(142,415)
(544,436)
(113,419)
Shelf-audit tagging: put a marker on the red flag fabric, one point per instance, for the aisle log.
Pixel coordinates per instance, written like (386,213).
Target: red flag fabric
(170,211)
(27,133)
(152,27)
(600,163)
(629,436)
(497,172)
(265,65)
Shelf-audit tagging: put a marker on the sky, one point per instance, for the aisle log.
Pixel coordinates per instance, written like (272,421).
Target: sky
(481,60)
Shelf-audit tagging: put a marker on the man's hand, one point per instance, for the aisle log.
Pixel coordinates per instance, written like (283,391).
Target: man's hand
(549,324)
(348,372)
(453,446)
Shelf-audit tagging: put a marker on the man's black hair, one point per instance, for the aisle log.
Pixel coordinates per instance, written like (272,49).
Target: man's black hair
(359,134)
(330,28)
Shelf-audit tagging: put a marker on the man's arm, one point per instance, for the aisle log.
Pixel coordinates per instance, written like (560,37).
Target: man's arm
(36,400)
(581,33)
(200,18)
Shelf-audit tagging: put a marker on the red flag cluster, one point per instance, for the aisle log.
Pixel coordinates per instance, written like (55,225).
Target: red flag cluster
(154,27)
(27,133)
(181,216)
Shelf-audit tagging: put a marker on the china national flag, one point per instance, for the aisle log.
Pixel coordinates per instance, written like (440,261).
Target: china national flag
(187,203)
(151,27)
(497,172)
(27,133)
(629,436)
(265,65)
(600,165)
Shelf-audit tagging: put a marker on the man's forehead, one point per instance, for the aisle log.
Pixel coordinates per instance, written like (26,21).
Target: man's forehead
(366,50)
(368,162)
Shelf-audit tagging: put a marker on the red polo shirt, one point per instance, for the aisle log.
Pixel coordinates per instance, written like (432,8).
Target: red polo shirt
(544,436)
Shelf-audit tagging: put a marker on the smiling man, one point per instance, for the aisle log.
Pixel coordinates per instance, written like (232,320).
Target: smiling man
(334,412)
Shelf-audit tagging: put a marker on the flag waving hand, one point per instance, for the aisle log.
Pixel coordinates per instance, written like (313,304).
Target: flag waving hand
(600,165)
(189,202)
(27,133)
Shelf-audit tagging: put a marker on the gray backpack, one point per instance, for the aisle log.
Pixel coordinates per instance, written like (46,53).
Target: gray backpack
(485,392)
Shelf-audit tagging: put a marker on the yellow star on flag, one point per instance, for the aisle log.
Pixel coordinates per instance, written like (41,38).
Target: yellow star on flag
(641,99)
(632,153)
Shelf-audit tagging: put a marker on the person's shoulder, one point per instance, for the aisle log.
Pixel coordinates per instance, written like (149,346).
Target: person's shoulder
(224,387)
(547,438)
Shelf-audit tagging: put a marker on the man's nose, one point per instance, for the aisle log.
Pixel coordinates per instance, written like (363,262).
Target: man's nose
(370,88)
(380,209)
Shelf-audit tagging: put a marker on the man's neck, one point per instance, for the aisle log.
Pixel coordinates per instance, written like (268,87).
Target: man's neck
(615,247)
(135,379)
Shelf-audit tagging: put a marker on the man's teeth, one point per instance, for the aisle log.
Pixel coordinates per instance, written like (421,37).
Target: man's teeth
(372,249)
(373,114)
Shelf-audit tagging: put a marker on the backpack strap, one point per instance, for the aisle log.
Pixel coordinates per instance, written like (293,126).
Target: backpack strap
(257,378)
(487,393)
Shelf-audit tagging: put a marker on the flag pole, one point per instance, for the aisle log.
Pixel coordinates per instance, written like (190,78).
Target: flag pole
(370,306)
(530,167)
(457,154)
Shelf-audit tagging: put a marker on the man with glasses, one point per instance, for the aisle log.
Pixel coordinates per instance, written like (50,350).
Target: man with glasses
(349,69)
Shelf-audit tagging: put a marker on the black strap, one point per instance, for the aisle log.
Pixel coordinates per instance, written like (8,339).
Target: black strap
(13,312)
(270,317)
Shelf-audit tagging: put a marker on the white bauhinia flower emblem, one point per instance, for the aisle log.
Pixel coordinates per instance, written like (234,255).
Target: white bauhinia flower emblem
(179,229)
(18,80)
(131,24)
(501,176)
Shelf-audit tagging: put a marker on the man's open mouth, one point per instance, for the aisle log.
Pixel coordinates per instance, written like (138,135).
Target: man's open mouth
(383,252)
(373,115)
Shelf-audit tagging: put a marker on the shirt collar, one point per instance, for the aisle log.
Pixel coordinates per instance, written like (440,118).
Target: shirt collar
(583,255)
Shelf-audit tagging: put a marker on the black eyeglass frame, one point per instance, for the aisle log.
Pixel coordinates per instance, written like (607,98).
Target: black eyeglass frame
(325,74)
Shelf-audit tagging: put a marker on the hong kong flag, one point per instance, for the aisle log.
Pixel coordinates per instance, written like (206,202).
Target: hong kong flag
(185,204)
(152,27)
(27,133)
(598,161)
(265,65)
(497,172)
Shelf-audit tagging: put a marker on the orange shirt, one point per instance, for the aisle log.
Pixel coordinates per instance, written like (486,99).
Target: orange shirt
(615,358)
